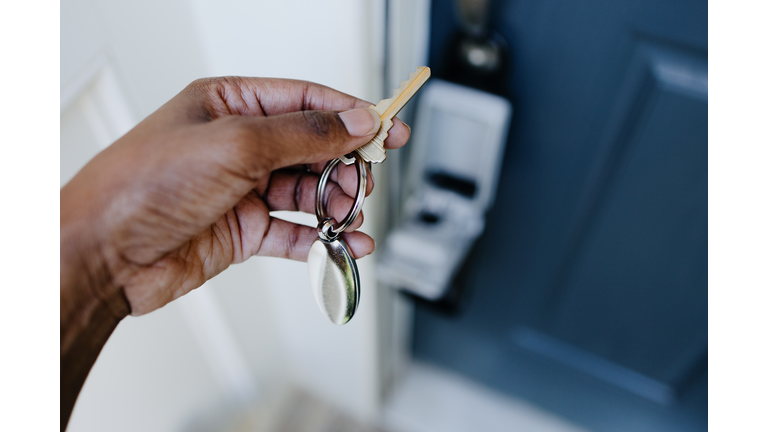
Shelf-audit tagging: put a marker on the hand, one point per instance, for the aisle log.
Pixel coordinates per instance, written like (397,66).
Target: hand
(188,191)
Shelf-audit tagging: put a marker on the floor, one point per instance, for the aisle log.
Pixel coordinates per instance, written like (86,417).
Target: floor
(431,399)
(428,399)
(293,410)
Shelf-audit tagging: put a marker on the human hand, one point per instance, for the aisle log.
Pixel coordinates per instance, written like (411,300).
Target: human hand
(188,191)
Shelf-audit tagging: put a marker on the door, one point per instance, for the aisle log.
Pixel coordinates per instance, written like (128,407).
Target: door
(587,293)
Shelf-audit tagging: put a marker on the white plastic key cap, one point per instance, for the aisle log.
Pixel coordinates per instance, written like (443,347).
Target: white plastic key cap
(374,151)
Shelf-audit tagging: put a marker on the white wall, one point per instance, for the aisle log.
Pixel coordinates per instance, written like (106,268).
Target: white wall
(339,44)
(255,327)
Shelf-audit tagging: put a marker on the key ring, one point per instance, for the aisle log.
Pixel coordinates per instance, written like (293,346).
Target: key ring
(325,228)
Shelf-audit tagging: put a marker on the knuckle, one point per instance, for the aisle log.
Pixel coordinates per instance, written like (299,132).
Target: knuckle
(213,82)
(292,241)
(323,124)
(215,87)
(202,85)
(298,192)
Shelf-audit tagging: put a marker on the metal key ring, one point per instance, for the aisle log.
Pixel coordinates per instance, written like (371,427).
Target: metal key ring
(320,202)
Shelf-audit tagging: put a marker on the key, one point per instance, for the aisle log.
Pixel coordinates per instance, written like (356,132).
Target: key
(374,151)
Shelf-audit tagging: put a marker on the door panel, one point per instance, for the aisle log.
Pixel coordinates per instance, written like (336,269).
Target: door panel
(646,239)
(587,293)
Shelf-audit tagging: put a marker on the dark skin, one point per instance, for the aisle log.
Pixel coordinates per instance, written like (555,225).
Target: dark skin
(187,193)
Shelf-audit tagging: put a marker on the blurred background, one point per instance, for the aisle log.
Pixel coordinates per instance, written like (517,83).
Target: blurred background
(542,240)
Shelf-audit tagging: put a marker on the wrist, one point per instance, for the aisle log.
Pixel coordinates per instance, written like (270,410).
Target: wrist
(85,279)
(91,304)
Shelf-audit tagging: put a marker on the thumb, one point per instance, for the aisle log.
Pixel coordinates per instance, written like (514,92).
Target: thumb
(306,136)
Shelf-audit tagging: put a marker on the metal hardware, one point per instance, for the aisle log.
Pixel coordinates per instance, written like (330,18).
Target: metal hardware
(325,229)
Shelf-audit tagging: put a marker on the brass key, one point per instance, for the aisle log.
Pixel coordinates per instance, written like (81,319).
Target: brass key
(333,274)
(374,151)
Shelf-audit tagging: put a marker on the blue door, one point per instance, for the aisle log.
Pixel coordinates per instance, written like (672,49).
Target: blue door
(587,293)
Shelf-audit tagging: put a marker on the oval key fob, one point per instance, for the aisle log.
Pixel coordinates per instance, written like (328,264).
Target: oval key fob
(334,279)
(333,274)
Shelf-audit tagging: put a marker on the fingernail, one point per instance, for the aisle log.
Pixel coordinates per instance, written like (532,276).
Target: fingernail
(361,121)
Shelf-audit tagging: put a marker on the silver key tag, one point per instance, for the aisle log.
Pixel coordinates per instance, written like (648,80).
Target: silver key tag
(334,279)
(333,274)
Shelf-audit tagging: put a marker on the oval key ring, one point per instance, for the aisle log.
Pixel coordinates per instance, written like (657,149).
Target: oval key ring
(325,229)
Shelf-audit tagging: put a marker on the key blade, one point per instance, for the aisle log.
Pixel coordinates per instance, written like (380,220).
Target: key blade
(389,108)
(374,151)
